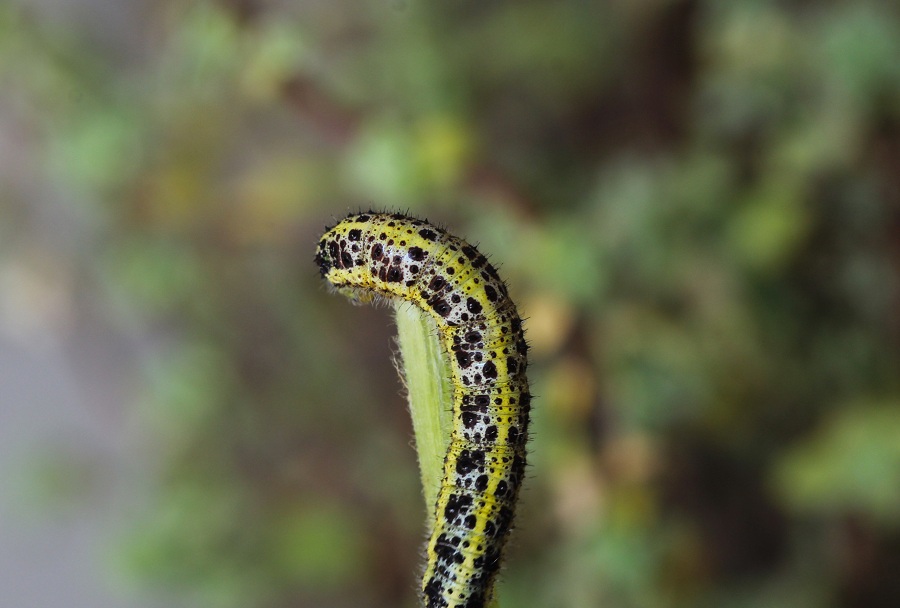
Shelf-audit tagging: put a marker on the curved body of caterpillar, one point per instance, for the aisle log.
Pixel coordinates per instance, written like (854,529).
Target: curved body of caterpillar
(368,255)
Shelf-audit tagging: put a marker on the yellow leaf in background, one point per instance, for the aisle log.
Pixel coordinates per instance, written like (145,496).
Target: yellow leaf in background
(550,320)
(765,232)
(444,146)
(570,388)
(271,195)
(178,196)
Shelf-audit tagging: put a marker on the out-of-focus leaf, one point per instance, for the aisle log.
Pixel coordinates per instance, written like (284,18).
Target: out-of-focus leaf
(382,166)
(444,148)
(850,464)
(860,46)
(768,229)
(319,546)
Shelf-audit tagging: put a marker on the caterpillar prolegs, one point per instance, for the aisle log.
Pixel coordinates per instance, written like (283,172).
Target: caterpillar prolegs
(371,255)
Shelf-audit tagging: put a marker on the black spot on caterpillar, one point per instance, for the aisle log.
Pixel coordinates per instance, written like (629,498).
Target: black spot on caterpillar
(371,255)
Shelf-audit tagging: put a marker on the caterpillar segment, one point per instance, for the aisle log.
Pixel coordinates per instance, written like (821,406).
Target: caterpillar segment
(371,255)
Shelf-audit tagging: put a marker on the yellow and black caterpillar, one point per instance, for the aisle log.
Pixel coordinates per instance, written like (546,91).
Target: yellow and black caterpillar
(368,255)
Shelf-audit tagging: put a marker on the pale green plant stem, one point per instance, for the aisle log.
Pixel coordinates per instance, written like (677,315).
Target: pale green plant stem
(426,372)
(427,377)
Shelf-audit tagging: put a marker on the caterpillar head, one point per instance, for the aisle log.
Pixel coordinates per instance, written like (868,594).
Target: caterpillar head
(340,267)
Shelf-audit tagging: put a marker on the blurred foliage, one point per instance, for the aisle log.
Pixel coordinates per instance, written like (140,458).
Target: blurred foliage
(696,203)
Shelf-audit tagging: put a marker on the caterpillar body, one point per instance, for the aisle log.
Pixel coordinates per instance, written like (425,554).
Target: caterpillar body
(372,255)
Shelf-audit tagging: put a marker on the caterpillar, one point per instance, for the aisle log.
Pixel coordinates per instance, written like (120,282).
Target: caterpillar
(368,256)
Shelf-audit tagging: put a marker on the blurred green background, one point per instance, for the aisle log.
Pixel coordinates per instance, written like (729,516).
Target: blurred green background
(695,203)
